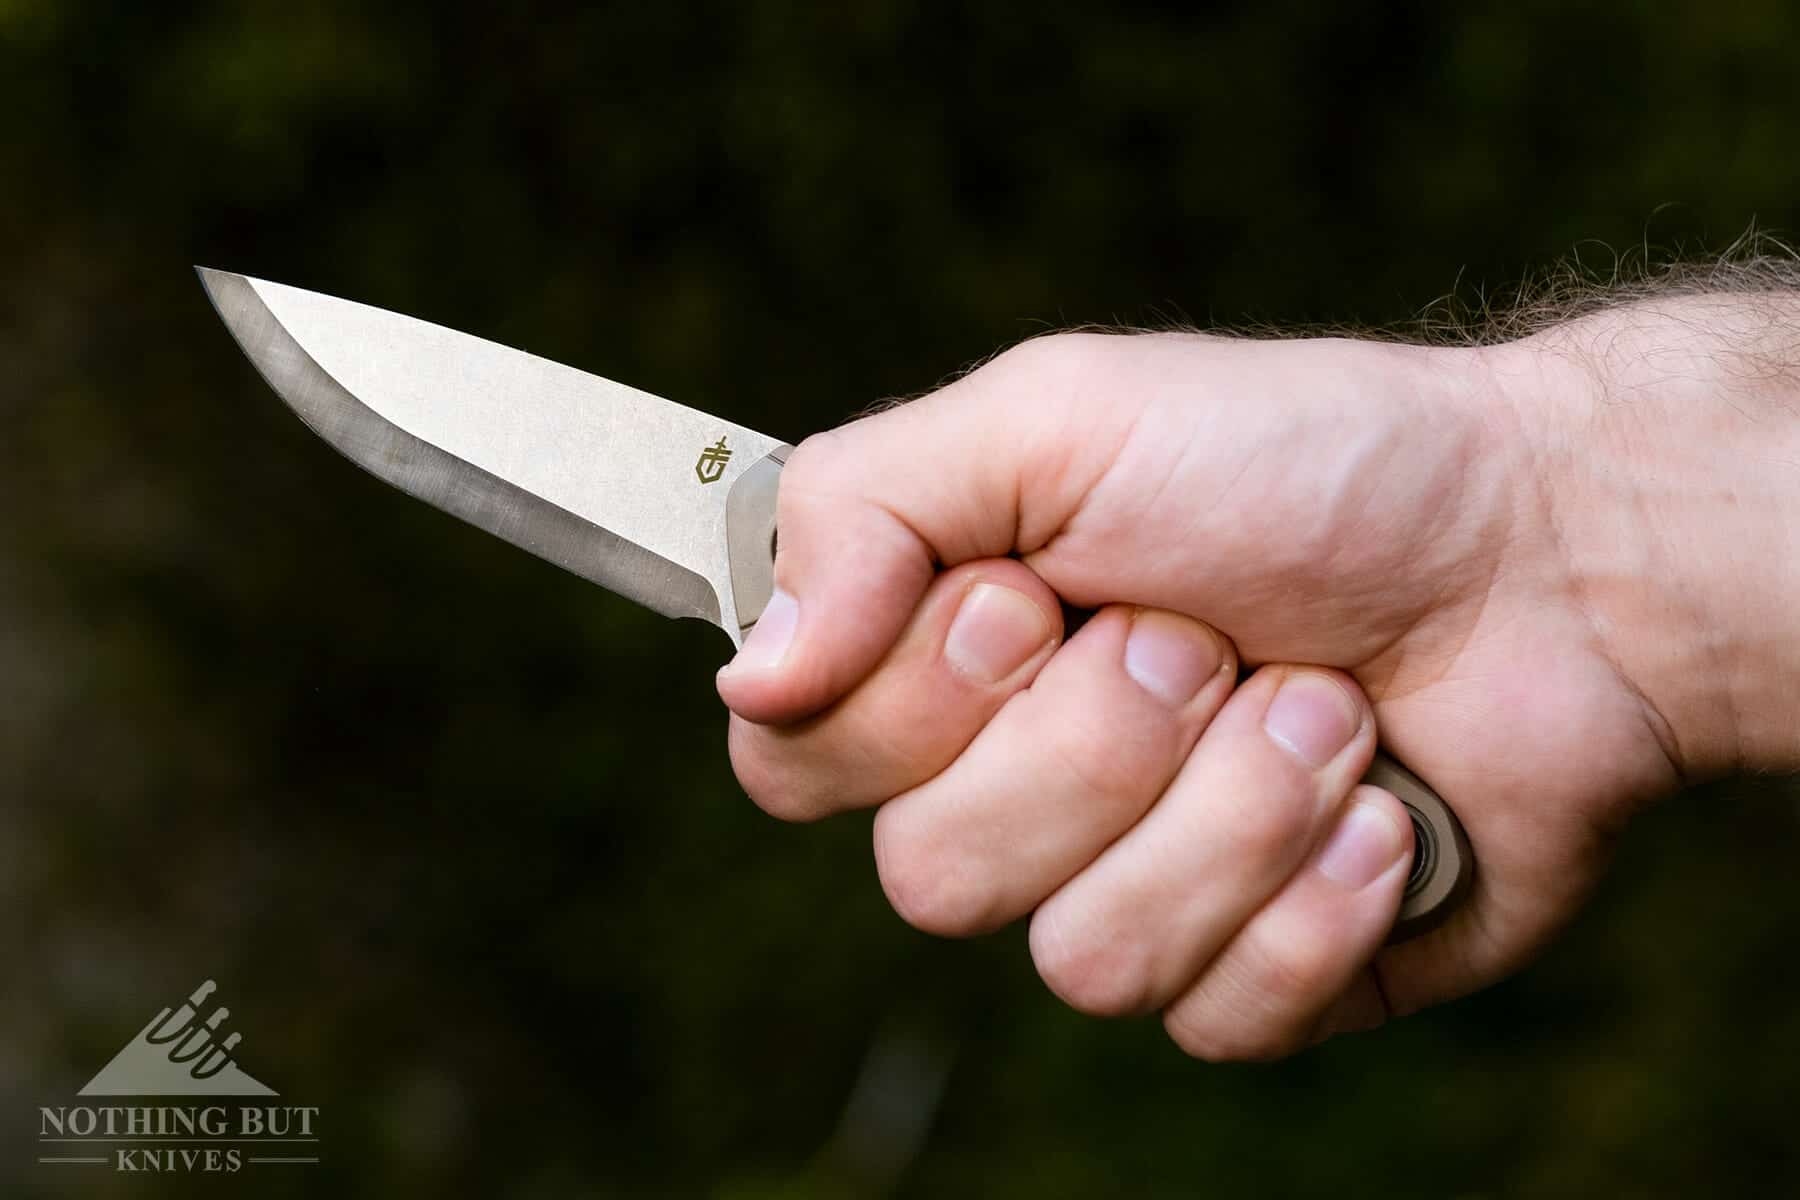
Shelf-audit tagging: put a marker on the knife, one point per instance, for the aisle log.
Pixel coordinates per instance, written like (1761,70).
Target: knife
(664,504)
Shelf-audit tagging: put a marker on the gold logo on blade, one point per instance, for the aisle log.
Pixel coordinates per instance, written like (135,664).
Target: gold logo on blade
(712,462)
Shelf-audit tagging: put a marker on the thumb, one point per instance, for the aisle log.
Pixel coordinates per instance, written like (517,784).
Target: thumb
(991,465)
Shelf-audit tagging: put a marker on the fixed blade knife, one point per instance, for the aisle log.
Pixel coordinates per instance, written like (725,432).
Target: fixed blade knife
(664,504)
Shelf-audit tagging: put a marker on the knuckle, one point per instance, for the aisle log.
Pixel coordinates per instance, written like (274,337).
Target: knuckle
(1113,761)
(1056,356)
(780,794)
(1274,824)
(1214,1037)
(929,885)
(1259,1000)
(827,502)
(1198,1035)
(787,803)
(1099,977)
(1288,975)
(825,473)
(812,468)
(813,457)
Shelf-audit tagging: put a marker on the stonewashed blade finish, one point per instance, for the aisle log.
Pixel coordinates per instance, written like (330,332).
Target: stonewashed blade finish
(619,486)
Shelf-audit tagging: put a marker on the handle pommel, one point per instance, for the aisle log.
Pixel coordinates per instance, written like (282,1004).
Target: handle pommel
(1443,866)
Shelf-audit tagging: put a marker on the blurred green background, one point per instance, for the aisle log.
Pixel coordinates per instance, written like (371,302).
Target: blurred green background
(456,832)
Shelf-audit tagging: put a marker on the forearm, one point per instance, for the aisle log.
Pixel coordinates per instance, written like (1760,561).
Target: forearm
(1670,432)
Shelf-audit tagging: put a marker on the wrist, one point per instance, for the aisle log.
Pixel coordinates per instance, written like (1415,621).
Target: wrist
(1667,439)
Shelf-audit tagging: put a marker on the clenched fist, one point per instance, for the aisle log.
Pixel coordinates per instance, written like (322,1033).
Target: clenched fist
(1543,574)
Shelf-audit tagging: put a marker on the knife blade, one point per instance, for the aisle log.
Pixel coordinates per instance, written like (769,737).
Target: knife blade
(667,505)
(621,487)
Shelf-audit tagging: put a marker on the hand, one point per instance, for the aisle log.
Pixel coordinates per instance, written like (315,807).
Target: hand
(1414,523)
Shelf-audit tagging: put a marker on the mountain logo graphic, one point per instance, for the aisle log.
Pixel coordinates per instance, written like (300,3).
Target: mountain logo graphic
(178,1054)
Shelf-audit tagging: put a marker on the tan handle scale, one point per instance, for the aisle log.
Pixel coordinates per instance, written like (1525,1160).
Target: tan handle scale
(1442,866)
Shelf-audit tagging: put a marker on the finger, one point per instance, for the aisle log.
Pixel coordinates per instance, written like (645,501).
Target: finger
(1362,1006)
(1131,931)
(1269,991)
(1063,769)
(865,514)
(981,633)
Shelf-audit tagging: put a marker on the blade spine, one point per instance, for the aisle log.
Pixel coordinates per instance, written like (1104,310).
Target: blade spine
(606,380)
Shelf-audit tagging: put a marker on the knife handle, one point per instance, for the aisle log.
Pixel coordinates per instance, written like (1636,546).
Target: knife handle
(1442,867)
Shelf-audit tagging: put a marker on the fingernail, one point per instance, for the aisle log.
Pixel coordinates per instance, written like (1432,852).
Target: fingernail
(994,632)
(1363,846)
(1171,657)
(1313,717)
(769,637)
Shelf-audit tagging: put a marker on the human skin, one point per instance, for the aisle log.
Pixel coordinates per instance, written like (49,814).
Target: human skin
(1555,574)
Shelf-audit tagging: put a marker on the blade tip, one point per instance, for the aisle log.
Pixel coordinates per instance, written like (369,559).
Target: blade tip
(211,275)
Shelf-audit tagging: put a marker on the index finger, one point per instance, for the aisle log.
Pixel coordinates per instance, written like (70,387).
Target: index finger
(868,513)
